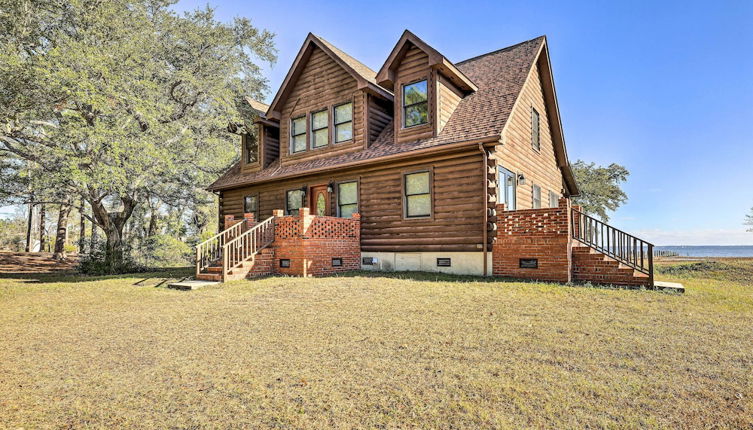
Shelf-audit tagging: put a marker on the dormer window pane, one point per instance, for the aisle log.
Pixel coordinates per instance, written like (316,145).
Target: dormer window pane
(298,134)
(343,122)
(319,129)
(415,104)
(252,148)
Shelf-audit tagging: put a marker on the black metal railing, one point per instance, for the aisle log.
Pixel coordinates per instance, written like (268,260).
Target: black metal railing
(623,247)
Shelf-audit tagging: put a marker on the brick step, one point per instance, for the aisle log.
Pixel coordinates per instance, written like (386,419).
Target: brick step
(590,265)
(209,277)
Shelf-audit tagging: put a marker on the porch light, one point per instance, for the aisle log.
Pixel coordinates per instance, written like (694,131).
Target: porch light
(330,187)
(521,179)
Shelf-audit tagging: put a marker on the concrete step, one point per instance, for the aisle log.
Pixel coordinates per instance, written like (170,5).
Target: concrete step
(191,284)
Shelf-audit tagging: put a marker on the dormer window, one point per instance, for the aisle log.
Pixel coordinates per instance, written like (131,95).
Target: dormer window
(319,129)
(252,148)
(343,122)
(415,104)
(298,134)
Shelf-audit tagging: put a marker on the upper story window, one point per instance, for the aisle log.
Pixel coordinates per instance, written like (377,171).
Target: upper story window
(343,122)
(417,188)
(252,148)
(535,135)
(294,201)
(320,129)
(415,104)
(536,197)
(298,134)
(347,199)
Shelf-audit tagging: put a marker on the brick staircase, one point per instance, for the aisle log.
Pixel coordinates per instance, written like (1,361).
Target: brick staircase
(590,265)
(602,254)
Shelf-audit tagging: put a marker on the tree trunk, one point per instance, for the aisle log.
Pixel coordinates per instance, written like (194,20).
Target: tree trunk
(29,227)
(152,224)
(41,228)
(61,235)
(82,228)
(112,224)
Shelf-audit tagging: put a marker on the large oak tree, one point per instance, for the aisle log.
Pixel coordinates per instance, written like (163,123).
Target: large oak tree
(115,101)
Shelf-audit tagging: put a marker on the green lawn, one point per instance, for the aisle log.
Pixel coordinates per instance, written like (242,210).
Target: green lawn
(377,351)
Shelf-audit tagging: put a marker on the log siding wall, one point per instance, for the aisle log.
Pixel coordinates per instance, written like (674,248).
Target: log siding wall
(456,223)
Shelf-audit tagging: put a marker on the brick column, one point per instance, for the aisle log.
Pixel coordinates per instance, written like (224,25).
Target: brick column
(229,221)
(249,218)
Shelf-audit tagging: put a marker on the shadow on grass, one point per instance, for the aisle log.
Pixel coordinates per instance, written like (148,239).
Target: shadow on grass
(446,277)
(150,277)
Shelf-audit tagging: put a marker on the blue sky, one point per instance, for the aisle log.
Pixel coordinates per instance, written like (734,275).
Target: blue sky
(664,88)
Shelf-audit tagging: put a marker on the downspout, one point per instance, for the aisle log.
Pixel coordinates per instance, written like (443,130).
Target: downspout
(484,169)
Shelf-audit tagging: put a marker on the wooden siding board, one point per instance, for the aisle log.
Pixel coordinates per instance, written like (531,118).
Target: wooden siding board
(516,154)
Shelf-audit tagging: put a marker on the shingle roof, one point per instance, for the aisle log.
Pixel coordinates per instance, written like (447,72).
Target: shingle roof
(499,75)
(360,68)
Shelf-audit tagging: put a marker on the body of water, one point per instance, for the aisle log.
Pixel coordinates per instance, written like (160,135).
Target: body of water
(709,251)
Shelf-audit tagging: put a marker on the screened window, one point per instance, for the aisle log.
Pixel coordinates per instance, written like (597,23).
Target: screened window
(319,129)
(294,201)
(251,206)
(417,195)
(252,148)
(343,122)
(554,199)
(535,135)
(536,197)
(347,199)
(298,134)
(415,104)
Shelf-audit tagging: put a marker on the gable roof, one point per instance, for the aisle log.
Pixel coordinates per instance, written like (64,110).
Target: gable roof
(362,73)
(385,76)
(480,117)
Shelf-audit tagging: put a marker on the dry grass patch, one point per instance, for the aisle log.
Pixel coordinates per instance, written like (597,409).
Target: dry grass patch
(366,351)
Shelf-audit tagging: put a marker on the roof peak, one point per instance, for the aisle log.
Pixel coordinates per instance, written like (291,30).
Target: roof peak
(506,48)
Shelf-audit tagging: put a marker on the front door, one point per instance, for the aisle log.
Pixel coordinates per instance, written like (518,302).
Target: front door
(507,188)
(319,200)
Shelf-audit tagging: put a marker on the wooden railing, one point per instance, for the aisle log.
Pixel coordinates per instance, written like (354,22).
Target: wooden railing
(210,251)
(623,247)
(246,245)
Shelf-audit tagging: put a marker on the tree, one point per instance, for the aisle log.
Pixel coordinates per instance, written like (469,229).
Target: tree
(61,233)
(749,220)
(599,187)
(115,102)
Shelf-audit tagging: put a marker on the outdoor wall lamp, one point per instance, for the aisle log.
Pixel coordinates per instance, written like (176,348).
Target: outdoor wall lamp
(521,179)
(330,187)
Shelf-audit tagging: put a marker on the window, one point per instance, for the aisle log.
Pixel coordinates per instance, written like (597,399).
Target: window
(343,122)
(507,188)
(337,262)
(298,134)
(252,148)
(554,199)
(284,262)
(535,136)
(415,104)
(347,199)
(536,197)
(251,206)
(294,201)
(417,195)
(319,129)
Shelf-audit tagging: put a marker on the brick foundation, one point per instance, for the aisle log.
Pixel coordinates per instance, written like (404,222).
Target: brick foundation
(540,234)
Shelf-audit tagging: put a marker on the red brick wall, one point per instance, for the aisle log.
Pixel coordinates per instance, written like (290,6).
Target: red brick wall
(311,242)
(543,234)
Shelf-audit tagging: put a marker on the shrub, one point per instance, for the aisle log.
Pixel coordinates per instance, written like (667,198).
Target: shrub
(94,263)
(166,251)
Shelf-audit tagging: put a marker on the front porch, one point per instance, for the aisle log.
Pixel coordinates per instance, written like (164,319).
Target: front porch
(559,244)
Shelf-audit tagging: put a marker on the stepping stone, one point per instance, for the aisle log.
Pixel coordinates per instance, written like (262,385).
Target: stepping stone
(674,287)
(191,284)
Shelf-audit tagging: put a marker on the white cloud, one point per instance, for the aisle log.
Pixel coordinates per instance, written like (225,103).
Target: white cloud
(697,237)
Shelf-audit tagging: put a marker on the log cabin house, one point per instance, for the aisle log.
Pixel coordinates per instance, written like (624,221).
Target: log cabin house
(425,164)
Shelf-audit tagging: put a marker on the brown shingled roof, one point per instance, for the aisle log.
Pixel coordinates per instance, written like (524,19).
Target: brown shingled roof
(499,75)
